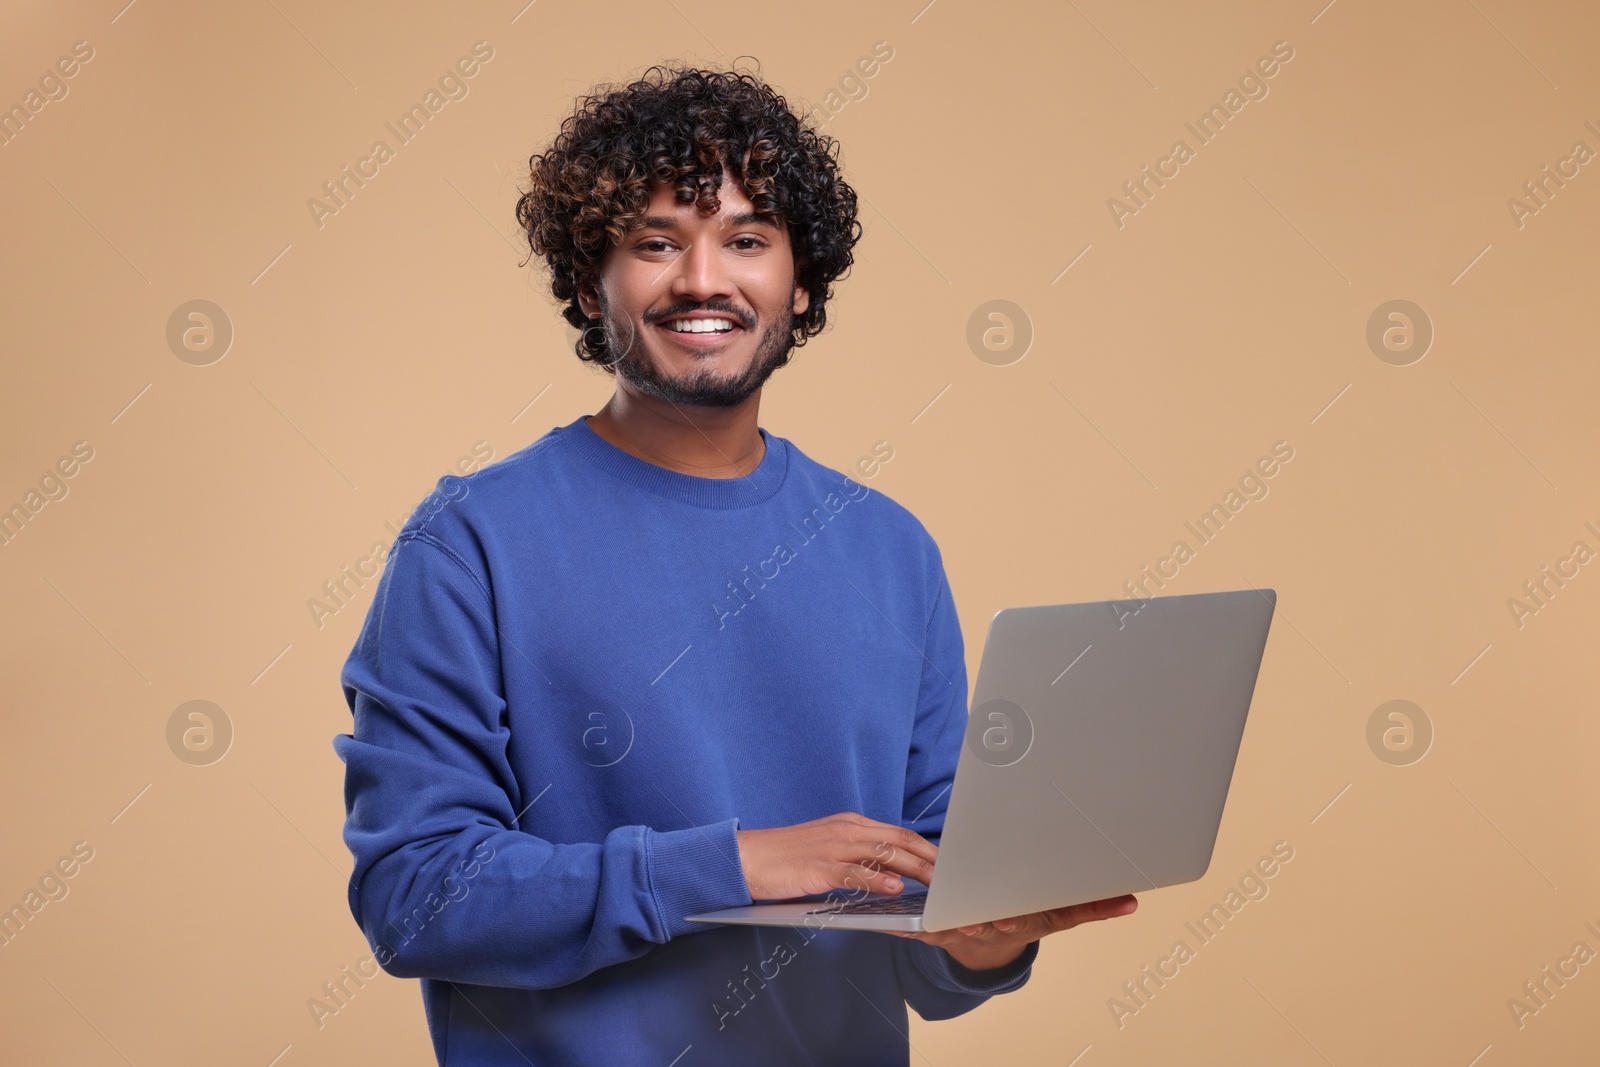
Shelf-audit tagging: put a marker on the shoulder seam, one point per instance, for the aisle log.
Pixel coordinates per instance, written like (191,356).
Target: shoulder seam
(450,554)
(496,467)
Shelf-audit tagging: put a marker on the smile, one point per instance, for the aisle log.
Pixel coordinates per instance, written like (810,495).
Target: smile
(701,326)
(701,333)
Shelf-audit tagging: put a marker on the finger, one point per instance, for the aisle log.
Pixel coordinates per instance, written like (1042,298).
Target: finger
(1126,904)
(862,879)
(914,843)
(1093,911)
(873,833)
(887,857)
(899,849)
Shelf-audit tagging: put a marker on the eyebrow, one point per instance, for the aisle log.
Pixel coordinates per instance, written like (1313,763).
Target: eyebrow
(747,218)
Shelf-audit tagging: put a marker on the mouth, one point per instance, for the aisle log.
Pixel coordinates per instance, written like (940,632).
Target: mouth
(704,331)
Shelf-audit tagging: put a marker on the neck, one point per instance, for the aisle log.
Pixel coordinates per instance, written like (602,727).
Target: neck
(700,441)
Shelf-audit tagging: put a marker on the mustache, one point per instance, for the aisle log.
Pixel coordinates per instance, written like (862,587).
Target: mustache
(688,309)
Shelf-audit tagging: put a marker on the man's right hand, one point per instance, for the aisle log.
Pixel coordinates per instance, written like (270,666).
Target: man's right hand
(843,851)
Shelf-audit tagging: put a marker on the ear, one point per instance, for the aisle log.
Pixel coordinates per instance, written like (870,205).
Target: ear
(802,296)
(588,300)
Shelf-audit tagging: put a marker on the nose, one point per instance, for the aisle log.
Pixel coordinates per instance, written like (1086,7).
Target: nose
(698,274)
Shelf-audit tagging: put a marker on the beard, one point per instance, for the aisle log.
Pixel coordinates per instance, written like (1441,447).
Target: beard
(702,386)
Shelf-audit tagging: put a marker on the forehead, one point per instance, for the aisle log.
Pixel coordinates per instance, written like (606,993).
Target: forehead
(734,209)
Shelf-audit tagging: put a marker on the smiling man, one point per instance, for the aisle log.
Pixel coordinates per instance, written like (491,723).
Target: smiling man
(562,747)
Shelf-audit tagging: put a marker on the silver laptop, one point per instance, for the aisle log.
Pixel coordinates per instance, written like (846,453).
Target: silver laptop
(1099,748)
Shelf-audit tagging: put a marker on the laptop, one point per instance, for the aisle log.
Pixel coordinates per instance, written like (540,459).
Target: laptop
(1099,749)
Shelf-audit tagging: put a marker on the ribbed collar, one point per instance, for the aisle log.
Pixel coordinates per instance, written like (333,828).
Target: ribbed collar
(724,493)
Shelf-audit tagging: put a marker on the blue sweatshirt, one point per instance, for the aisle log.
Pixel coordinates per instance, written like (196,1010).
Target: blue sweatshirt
(580,674)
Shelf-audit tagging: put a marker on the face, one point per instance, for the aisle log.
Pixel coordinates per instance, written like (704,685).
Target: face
(682,267)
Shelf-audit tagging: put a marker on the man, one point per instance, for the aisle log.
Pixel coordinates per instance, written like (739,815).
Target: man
(659,661)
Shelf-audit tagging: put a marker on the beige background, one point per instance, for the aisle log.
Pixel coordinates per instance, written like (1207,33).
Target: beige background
(1229,313)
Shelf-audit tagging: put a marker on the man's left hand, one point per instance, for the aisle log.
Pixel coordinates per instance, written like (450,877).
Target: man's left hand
(994,944)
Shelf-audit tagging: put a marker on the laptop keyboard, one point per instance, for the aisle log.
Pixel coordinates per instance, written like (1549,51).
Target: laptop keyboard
(906,905)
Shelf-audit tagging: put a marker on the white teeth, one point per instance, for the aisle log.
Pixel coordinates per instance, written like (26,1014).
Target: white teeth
(700,325)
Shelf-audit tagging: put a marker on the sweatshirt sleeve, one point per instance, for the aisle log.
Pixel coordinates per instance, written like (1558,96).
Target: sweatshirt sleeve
(445,884)
(932,981)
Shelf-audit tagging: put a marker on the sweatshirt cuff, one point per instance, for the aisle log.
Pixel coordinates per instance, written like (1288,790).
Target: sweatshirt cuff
(694,871)
(946,972)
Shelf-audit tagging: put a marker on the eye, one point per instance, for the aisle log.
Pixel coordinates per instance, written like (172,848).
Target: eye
(755,242)
(646,245)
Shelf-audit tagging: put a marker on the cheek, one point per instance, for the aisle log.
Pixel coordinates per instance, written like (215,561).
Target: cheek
(774,294)
(624,290)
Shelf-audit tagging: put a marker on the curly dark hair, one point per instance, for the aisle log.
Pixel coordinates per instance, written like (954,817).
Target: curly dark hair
(680,126)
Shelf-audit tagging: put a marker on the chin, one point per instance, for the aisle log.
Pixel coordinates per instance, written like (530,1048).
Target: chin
(731,361)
